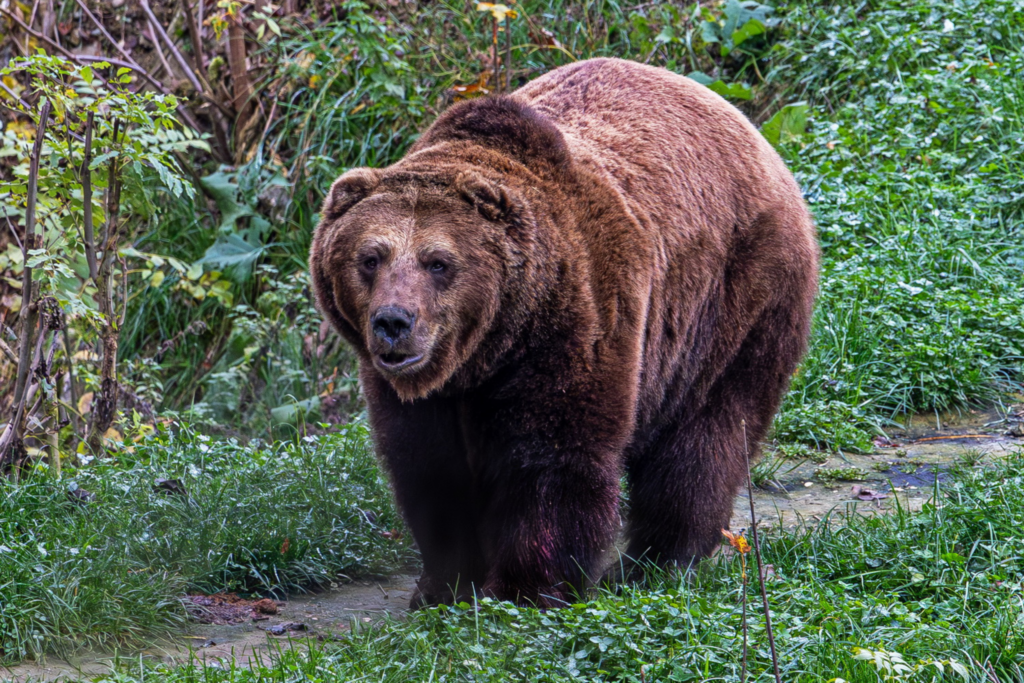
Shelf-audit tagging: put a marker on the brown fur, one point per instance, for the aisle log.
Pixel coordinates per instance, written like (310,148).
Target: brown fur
(608,270)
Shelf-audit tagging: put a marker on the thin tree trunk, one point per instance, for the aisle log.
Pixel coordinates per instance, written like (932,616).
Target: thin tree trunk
(239,71)
(14,431)
(105,404)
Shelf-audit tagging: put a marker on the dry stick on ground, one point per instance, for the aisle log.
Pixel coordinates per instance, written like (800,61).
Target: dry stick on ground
(13,432)
(757,554)
(8,351)
(105,404)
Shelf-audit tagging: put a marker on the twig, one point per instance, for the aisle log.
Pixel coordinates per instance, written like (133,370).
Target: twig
(7,351)
(86,179)
(25,106)
(160,52)
(757,554)
(197,41)
(494,54)
(508,54)
(170,44)
(35,34)
(105,407)
(13,431)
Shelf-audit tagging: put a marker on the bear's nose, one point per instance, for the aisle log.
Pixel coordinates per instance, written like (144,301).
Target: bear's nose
(392,324)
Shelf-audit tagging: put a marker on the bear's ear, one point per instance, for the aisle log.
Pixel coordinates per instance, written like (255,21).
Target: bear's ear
(349,190)
(492,201)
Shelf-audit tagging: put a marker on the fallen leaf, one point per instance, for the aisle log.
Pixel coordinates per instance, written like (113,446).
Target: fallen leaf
(864,493)
(170,487)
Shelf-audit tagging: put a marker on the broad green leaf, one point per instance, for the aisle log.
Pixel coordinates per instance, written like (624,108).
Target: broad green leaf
(291,413)
(788,122)
(748,30)
(737,91)
(222,188)
(234,255)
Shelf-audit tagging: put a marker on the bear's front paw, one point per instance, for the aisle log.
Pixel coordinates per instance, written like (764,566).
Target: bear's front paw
(431,591)
(542,597)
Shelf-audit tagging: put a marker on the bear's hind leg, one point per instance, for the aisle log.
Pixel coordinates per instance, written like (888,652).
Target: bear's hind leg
(683,484)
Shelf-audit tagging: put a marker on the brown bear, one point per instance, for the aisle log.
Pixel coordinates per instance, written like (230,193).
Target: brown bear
(609,270)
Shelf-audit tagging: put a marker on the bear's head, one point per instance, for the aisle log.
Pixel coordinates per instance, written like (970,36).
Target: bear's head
(412,263)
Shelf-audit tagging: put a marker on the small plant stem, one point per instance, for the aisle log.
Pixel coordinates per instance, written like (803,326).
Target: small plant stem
(757,554)
(743,565)
(72,391)
(508,54)
(494,54)
(105,404)
(87,227)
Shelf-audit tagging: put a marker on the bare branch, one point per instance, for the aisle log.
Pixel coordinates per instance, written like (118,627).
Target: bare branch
(7,351)
(160,54)
(197,40)
(98,24)
(90,241)
(170,44)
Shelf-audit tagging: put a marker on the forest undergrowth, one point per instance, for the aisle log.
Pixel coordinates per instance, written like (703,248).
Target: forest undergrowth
(904,123)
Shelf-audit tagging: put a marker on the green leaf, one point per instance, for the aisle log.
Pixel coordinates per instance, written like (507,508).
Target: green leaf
(291,413)
(736,91)
(788,122)
(234,255)
(748,30)
(701,78)
(222,188)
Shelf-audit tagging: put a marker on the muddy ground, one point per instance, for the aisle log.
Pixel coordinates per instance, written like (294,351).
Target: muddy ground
(903,468)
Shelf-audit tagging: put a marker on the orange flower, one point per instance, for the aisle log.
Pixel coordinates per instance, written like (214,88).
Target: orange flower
(737,541)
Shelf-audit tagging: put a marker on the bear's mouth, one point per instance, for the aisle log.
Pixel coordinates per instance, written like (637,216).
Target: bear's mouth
(394,360)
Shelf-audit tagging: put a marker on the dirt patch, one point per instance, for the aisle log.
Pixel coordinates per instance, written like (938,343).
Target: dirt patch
(245,641)
(904,470)
(905,467)
(228,608)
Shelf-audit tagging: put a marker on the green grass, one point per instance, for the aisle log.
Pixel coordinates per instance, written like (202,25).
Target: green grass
(914,167)
(110,570)
(940,584)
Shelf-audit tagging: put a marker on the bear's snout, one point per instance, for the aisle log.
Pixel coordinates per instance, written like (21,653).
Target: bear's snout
(393,344)
(392,324)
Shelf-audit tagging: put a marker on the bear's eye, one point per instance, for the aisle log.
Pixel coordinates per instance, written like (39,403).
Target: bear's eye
(437,267)
(369,264)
